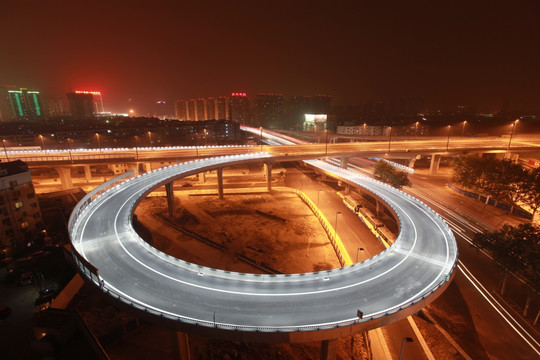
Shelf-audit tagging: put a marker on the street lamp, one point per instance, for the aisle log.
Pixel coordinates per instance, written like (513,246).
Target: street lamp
(358,250)
(416,129)
(136,151)
(364,133)
(5,150)
(448,140)
(335,224)
(318,196)
(260,137)
(150,138)
(99,143)
(326,142)
(42,142)
(205,140)
(514,124)
(463,130)
(69,149)
(389,138)
(406,339)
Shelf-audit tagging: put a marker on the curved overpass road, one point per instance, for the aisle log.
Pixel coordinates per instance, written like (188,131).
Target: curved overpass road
(389,286)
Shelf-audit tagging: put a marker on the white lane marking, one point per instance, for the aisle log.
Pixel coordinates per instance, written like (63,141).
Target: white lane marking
(423,258)
(491,300)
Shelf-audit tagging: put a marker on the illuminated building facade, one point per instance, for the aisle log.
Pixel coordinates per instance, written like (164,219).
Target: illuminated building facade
(270,110)
(20,105)
(20,215)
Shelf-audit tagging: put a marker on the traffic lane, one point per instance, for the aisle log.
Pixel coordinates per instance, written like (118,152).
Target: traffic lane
(499,340)
(395,333)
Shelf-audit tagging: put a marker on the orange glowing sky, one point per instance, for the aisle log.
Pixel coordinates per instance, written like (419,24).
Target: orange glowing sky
(481,53)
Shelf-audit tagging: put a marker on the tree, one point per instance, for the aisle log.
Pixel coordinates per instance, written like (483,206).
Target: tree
(516,249)
(532,190)
(388,174)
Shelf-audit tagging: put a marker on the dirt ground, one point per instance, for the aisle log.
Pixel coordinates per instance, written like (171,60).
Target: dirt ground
(250,232)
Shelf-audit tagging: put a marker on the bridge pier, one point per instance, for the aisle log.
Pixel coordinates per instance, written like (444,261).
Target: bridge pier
(344,162)
(135,168)
(202,177)
(181,345)
(220,182)
(169,188)
(329,349)
(65,177)
(435,162)
(87,173)
(147,167)
(379,209)
(267,170)
(411,163)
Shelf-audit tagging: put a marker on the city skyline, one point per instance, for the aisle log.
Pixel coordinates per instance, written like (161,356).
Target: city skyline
(480,54)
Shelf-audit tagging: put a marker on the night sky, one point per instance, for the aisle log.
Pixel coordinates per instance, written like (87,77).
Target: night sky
(448,53)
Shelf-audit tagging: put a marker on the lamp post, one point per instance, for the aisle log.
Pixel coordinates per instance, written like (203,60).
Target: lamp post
(5,150)
(364,132)
(42,142)
(326,142)
(69,149)
(318,196)
(150,138)
(136,150)
(197,144)
(463,129)
(335,224)
(205,140)
(389,138)
(416,129)
(406,339)
(514,124)
(260,137)
(99,143)
(448,140)
(357,251)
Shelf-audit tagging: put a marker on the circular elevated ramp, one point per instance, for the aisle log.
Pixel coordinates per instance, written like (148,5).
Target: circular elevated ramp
(249,307)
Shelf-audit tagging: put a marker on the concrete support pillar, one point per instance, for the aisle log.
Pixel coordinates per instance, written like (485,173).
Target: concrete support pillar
(170,197)
(347,189)
(202,177)
(267,167)
(344,161)
(220,182)
(329,349)
(87,172)
(147,167)
(411,163)
(434,165)
(65,177)
(379,209)
(135,168)
(181,340)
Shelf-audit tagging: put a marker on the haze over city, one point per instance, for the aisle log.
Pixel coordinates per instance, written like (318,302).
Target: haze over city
(270,180)
(480,53)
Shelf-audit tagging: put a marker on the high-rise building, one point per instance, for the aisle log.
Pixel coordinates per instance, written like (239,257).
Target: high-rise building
(239,108)
(211,109)
(321,104)
(56,107)
(81,105)
(6,112)
(20,215)
(200,109)
(270,110)
(181,110)
(25,105)
(97,100)
(222,104)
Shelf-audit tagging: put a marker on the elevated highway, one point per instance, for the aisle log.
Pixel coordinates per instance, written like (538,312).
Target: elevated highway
(265,308)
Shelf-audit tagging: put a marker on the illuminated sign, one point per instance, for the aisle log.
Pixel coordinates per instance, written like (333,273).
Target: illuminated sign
(87,92)
(242,94)
(315,118)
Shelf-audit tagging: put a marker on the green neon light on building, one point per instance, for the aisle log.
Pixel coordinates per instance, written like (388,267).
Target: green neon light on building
(36,104)
(19,106)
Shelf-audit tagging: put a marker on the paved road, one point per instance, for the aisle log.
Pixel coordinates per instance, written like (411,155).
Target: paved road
(421,260)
